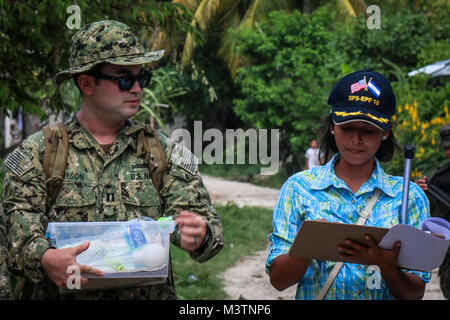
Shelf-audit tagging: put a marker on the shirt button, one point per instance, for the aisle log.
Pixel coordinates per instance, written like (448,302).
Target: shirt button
(353,201)
(359,291)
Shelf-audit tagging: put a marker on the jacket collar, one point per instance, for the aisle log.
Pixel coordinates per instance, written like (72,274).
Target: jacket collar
(82,139)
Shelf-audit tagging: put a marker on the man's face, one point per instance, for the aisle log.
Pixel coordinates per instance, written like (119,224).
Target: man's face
(447,152)
(113,103)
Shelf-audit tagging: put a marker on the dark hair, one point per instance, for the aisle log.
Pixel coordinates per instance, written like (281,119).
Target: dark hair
(328,145)
(94,70)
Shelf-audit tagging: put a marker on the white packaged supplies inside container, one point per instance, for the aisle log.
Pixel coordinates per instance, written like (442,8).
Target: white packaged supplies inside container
(130,253)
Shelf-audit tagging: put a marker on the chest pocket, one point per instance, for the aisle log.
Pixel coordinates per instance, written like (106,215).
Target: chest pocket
(139,195)
(75,202)
(331,211)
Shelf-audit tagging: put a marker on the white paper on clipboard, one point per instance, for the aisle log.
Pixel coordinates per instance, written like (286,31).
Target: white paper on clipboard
(420,250)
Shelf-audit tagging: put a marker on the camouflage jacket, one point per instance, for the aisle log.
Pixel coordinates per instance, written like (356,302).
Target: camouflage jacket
(99,187)
(5,288)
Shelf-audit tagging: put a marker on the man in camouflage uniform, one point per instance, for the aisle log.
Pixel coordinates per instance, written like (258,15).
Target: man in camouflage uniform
(441,180)
(5,289)
(106,179)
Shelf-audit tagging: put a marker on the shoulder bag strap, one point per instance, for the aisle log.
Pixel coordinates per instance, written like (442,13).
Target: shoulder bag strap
(149,145)
(55,157)
(363,216)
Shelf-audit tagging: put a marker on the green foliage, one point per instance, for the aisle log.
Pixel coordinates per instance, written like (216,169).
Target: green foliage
(400,39)
(246,231)
(35,42)
(436,51)
(297,59)
(437,13)
(71,96)
(412,128)
(164,88)
(211,91)
(422,109)
(287,85)
(410,36)
(431,98)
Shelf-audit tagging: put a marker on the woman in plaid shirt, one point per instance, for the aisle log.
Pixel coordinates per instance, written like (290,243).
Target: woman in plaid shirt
(359,134)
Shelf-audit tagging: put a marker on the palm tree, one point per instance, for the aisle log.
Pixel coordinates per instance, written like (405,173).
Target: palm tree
(216,17)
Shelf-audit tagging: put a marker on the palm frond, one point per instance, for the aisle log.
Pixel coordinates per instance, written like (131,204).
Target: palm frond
(206,11)
(168,38)
(190,4)
(345,8)
(257,12)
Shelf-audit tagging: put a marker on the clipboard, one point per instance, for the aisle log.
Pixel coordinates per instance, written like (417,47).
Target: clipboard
(420,250)
(319,240)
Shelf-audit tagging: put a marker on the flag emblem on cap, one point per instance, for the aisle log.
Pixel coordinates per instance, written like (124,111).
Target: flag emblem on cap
(361,84)
(373,88)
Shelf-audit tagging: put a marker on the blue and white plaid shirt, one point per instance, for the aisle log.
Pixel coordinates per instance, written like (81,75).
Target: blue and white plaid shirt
(318,193)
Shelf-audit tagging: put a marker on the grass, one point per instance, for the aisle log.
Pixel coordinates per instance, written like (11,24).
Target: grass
(246,230)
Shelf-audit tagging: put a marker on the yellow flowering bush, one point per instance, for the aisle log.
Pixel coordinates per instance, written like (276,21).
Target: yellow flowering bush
(409,128)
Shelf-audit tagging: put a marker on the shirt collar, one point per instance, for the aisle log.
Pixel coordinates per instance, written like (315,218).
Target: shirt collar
(327,177)
(82,139)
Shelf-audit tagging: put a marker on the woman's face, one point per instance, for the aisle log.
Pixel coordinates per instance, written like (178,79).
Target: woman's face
(358,142)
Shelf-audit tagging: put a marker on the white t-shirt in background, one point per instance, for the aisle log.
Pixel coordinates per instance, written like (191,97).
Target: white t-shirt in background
(312,154)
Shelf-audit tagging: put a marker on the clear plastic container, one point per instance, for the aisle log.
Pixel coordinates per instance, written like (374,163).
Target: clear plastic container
(130,253)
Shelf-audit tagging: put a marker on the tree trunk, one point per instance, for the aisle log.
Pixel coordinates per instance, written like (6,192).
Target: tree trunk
(31,124)
(307,7)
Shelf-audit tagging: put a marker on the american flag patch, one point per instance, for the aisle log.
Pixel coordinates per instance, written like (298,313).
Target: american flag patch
(17,163)
(184,158)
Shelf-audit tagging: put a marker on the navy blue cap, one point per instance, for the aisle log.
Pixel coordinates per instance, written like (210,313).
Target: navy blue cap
(363,96)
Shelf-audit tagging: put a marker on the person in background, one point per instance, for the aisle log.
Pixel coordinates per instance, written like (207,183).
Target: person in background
(312,156)
(437,189)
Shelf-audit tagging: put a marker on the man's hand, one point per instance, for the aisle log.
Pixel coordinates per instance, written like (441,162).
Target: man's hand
(55,263)
(192,229)
(422,183)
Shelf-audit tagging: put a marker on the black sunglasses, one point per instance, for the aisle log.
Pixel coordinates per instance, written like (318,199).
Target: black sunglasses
(127,82)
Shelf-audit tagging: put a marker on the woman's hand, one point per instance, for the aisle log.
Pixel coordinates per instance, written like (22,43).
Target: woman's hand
(370,253)
(403,285)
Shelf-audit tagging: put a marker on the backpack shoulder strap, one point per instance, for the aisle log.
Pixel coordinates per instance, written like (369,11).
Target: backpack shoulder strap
(55,157)
(154,155)
(149,146)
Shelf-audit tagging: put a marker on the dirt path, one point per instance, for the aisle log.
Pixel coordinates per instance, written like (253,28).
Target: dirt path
(247,279)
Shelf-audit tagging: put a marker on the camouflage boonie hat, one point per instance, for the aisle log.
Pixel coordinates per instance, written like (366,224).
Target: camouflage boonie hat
(105,41)
(445,135)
